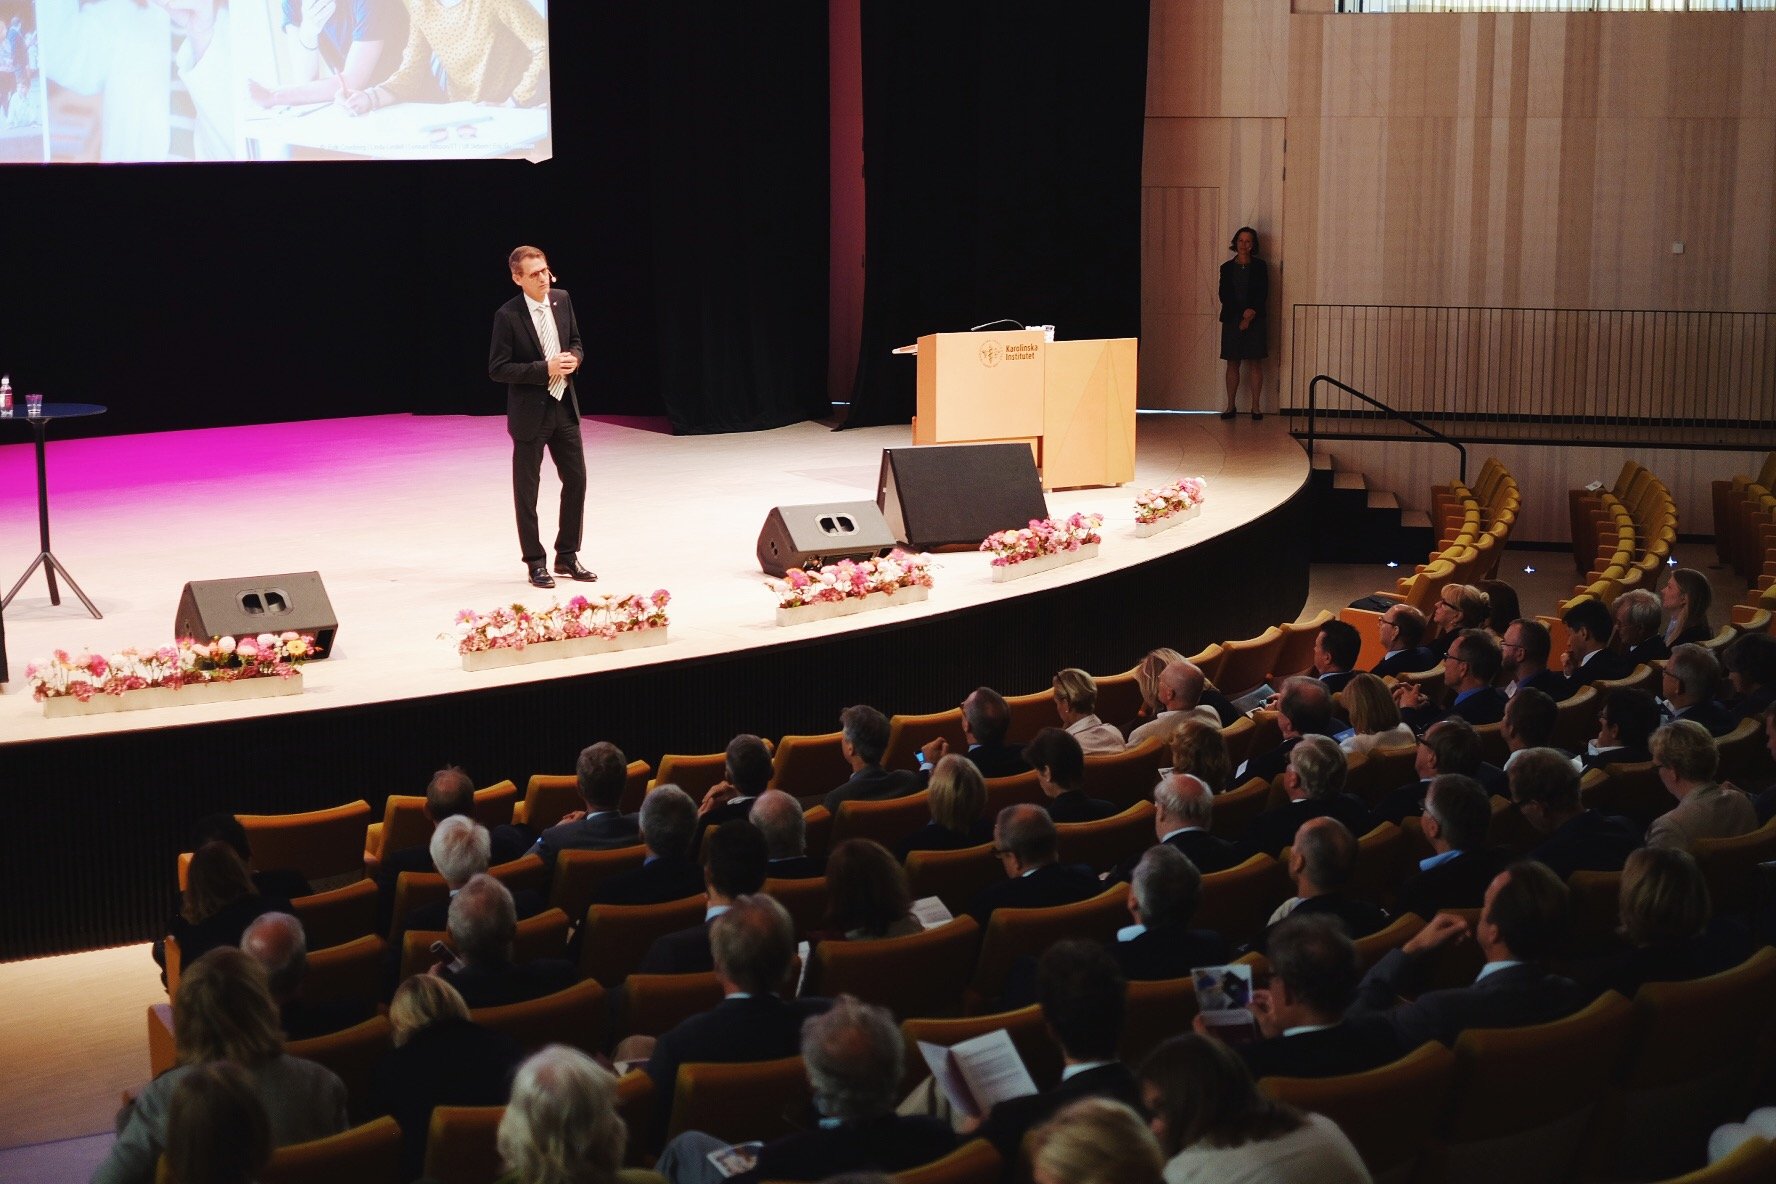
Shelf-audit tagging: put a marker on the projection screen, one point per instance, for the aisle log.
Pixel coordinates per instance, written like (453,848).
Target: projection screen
(118,81)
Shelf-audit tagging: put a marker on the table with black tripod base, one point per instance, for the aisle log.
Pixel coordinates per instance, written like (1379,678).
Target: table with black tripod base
(45,558)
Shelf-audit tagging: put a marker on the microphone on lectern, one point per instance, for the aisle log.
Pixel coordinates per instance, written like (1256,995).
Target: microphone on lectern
(1000,321)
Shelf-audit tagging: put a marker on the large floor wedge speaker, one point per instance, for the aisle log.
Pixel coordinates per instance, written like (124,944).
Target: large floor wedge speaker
(958,494)
(796,536)
(258,604)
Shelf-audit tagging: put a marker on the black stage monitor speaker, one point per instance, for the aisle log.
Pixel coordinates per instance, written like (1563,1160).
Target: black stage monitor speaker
(796,536)
(958,494)
(258,604)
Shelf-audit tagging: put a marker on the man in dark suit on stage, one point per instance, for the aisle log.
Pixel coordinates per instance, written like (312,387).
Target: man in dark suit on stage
(535,351)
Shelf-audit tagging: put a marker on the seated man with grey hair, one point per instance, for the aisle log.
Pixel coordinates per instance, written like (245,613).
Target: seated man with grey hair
(1024,839)
(483,923)
(1457,817)
(668,820)
(779,818)
(1688,760)
(1160,944)
(1183,806)
(1638,616)
(1179,689)
(276,941)
(854,1055)
(461,849)
(1689,685)
(1314,781)
(1321,860)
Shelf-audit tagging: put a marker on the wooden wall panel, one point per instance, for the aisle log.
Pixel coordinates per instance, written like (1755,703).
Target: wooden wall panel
(1217,57)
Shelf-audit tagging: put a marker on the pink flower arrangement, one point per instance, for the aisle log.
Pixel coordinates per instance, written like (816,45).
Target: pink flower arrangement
(186,662)
(1151,505)
(1044,536)
(852,579)
(514,627)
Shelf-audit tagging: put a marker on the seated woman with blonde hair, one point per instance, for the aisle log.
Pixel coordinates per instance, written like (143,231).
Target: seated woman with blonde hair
(562,1126)
(958,799)
(1200,750)
(1373,714)
(1095,1141)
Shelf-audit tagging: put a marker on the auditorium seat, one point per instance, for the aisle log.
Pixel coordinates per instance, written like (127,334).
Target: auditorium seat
(316,844)
(368,1154)
(1295,654)
(909,733)
(1025,1026)
(1635,791)
(1030,714)
(404,823)
(1240,737)
(810,766)
(804,900)
(1157,1009)
(974,1162)
(1643,678)
(922,974)
(548,796)
(462,1145)
(1208,660)
(579,873)
(1458,963)
(1237,903)
(337,916)
(615,936)
(1389,769)
(954,877)
(1731,866)
(696,775)
(1367,623)
(575,1015)
(1126,777)
(353,1053)
(541,936)
(1390,1114)
(1108,841)
(1381,863)
(1016,933)
(1119,697)
(1395,935)
(1235,809)
(1018,789)
(1247,663)
(656,1003)
(739,1102)
(1595,911)
(888,822)
(1575,720)
(1743,752)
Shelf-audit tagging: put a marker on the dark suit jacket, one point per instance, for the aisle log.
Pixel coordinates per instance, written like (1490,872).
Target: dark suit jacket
(1694,635)
(685,951)
(1653,649)
(1550,682)
(1337,680)
(436,915)
(1616,756)
(1013,1118)
(1275,829)
(1508,998)
(1721,947)
(1354,1046)
(1605,666)
(1411,661)
(1074,806)
(497,984)
(1753,703)
(1460,883)
(1485,706)
(1047,886)
(508,843)
(1590,841)
(661,879)
(996,760)
(1408,800)
(449,1062)
(1169,951)
(932,837)
(761,1028)
(888,1144)
(515,357)
(1208,852)
(596,832)
(1268,764)
(1359,917)
(872,783)
(301,1020)
(222,928)
(1711,715)
(1222,704)
(796,867)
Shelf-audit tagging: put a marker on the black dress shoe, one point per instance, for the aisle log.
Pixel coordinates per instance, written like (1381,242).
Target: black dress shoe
(1257,415)
(539,575)
(1229,413)
(574,569)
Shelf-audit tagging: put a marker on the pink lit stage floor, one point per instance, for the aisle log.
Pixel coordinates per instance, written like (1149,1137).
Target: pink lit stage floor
(408,519)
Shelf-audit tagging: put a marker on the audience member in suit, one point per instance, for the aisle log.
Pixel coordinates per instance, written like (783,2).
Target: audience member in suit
(1178,690)
(1182,810)
(1766,801)
(1448,746)
(602,773)
(449,794)
(271,883)
(483,924)
(1304,708)
(854,1055)
(277,943)
(1625,726)
(1460,607)
(734,863)
(440,1058)
(1545,787)
(867,897)
(563,1114)
(1530,719)
(1321,860)
(1457,815)
(1665,923)
(1162,898)
(1750,662)
(1637,614)
(986,718)
(1685,598)
(1402,629)
(1525,649)
(220,902)
(1024,840)
(1084,1000)
(1060,771)
(1522,922)
(752,944)
(1314,782)
(1076,702)
(668,824)
(1689,682)
(863,740)
(1469,669)
(1374,716)
(780,819)
(1588,656)
(1687,760)
(1303,1014)
(461,850)
(958,800)
(746,771)
(1336,647)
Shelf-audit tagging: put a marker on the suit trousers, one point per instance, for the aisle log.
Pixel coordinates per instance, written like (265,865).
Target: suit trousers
(560,434)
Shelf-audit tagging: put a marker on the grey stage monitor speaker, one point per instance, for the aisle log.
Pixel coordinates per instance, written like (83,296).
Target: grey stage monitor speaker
(951,495)
(258,604)
(797,536)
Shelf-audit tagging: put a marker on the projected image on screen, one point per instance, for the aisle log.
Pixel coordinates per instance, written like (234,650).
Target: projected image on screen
(267,80)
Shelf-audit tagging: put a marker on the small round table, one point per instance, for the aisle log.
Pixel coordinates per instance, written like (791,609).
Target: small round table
(45,559)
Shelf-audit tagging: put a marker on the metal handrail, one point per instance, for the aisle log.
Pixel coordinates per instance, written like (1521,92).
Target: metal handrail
(1313,404)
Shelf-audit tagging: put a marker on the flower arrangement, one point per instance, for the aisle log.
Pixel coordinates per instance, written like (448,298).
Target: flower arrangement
(514,627)
(852,579)
(1044,536)
(187,662)
(1151,505)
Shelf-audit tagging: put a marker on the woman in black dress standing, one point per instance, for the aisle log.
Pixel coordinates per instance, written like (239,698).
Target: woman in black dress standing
(1245,290)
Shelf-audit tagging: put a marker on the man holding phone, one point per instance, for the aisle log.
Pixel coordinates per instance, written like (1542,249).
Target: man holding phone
(536,350)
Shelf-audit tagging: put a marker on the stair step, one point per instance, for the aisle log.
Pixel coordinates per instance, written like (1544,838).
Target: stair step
(1322,462)
(1417,518)
(1381,499)
(1349,480)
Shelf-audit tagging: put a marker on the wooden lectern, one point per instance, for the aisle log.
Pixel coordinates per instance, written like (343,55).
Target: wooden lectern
(1073,402)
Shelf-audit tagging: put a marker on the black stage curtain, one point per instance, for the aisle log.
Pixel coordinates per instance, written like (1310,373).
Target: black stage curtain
(187,296)
(1002,143)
